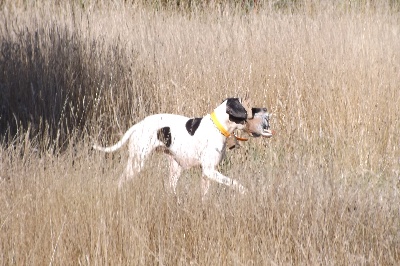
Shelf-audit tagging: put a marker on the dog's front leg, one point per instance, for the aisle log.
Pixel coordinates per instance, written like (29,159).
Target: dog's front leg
(220,178)
(205,185)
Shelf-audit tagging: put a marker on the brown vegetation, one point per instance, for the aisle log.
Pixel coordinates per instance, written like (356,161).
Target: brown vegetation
(324,189)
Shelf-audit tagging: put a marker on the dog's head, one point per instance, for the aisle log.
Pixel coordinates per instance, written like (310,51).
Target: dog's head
(237,112)
(258,124)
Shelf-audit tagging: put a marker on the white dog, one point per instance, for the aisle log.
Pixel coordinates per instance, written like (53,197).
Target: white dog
(190,141)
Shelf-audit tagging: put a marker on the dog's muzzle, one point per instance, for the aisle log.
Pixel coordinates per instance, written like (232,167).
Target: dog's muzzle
(259,124)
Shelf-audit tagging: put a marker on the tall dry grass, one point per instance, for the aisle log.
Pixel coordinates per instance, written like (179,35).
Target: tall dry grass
(324,190)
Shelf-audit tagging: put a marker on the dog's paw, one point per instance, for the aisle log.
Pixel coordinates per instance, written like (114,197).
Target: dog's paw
(242,190)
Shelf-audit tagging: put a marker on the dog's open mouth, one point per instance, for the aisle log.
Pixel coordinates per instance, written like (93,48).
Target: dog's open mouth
(266,133)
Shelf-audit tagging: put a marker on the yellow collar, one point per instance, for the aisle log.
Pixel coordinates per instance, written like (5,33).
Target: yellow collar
(221,127)
(218,125)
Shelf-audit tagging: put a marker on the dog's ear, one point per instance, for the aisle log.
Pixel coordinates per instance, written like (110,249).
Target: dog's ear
(247,105)
(235,108)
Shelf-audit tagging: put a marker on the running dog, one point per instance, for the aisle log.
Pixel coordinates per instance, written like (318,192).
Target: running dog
(189,142)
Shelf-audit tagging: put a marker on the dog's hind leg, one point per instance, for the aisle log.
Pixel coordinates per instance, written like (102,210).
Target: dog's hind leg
(137,157)
(175,171)
(133,167)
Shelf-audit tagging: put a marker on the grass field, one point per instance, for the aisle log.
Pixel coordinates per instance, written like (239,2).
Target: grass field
(325,190)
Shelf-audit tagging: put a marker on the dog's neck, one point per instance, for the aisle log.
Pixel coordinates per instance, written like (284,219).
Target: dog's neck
(219,118)
(218,124)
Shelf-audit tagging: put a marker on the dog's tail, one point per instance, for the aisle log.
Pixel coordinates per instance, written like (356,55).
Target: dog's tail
(117,145)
